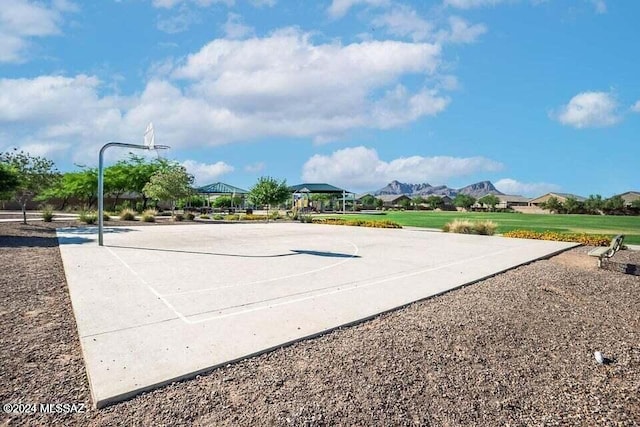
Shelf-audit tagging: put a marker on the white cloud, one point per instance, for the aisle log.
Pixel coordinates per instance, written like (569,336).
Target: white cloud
(360,168)
(179,22)
(636,107)
(470,4)
(22,20)
(511,186)
(462,32)
(233,90)
(255,167)
(589,109)
(339,8)
(235,29)
(405,22)
(205,173)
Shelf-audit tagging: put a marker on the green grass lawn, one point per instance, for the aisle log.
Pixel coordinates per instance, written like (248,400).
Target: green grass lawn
(591,224)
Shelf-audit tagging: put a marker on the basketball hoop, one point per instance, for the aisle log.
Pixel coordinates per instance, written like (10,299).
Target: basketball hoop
(149,137)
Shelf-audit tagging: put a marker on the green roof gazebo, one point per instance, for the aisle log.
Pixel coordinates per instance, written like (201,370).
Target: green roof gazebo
(220,189)
(323,188)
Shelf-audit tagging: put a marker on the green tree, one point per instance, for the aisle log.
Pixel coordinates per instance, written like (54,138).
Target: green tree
(226,201)
(552,205)
(379,203)
(417,201)
(405,203)
(594,204)
(138,173)
(35,174)
(117,181)
(9,181)
(635,204)
(490,200)
(368,201)
(170,183)
(81,185)
(573,206)
(268,191)
(614,205)
(435,202)
(464,201)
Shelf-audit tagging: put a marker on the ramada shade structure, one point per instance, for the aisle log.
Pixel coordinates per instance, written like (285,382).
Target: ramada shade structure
(323,188)
(317,188)
(220,188)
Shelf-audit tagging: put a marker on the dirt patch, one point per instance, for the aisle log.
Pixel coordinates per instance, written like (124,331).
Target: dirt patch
(516,349)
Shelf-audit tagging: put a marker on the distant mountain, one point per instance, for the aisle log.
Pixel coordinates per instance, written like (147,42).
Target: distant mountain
(476,190)
(479,189)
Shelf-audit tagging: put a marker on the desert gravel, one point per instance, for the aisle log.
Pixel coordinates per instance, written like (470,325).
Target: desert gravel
(515,349)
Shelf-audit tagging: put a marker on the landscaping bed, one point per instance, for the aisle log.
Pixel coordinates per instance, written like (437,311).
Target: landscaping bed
(515,349)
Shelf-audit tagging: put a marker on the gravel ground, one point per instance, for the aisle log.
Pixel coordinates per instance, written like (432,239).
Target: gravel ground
(516,349)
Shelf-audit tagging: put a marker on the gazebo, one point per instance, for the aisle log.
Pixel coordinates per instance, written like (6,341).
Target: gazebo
(301,190)
(220,189)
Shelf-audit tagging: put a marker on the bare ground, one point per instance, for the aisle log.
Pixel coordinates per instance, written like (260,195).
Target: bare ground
(516,349)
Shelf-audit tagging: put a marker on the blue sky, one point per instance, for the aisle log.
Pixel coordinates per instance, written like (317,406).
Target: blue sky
(533,95)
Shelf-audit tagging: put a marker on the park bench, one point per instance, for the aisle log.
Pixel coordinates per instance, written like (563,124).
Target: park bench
(609,251)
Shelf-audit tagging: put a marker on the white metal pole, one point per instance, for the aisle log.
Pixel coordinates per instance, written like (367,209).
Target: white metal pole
(101,179)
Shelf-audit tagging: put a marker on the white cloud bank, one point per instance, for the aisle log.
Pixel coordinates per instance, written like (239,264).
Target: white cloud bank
(636,107)
(23,20)
(281,85)
(205,173)
(360,168)
(589,109)
(530,189)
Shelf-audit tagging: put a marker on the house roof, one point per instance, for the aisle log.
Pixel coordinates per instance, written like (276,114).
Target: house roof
(220,188)
(511,198)
(630,196)
(559,196)
(317,188)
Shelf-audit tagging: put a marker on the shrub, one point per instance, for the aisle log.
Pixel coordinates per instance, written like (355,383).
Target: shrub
(585,239)
(47,213)
(464,226)
(232,217)
(178,217)
(149,215)
(106,216)
(189,216)
(486,228)
(218,217)
(351,222)
(252,217)
(461,226)
(205,216)
(88,217)
(128,214)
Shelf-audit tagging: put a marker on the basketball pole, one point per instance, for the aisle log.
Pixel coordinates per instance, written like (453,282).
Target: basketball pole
(101,178)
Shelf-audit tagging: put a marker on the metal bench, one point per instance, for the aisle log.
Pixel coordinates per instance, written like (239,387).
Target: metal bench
(609,251)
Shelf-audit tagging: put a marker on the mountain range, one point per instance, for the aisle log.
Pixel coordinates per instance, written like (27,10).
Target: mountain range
(479,189)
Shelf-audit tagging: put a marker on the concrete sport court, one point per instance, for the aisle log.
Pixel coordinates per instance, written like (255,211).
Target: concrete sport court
(161,303)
